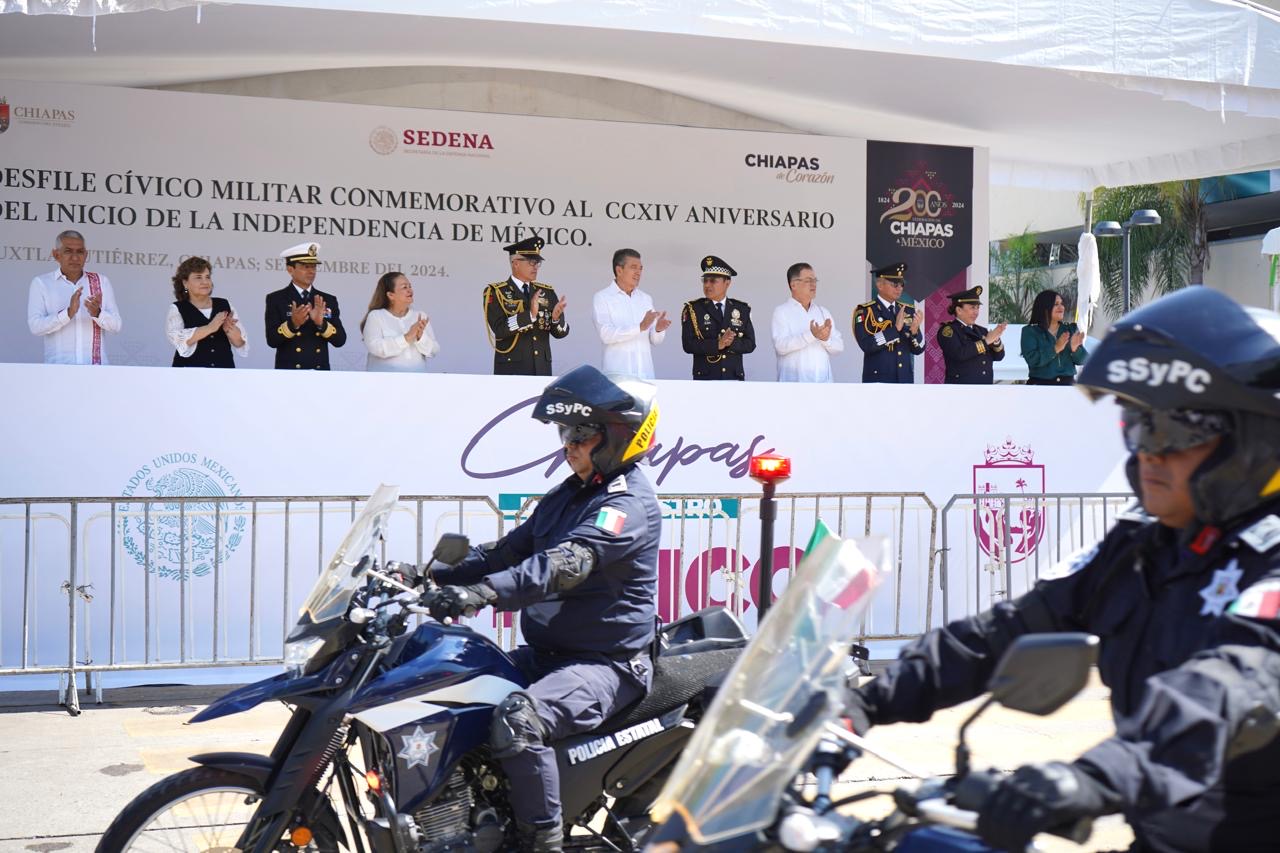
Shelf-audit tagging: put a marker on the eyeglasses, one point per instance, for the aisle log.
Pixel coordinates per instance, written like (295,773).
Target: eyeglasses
(809,280)
(537,262)
(577,433)
(1158,431)
(895,283)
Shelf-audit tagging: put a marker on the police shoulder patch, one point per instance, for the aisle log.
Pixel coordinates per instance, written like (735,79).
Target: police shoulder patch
(611,520)
(1260,601)
(1262,535)
(617,484)
(947,331)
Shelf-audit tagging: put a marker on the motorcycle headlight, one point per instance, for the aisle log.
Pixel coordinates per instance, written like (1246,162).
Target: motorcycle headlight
(297,653)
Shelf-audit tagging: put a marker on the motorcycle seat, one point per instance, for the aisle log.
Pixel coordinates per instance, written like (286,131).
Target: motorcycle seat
(678,678)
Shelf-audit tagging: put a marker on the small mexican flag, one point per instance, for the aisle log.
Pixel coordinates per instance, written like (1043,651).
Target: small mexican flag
(1260,601)
(611,520)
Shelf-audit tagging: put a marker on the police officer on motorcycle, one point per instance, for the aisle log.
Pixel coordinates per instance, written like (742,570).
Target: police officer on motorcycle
(1184,596)
(582,571)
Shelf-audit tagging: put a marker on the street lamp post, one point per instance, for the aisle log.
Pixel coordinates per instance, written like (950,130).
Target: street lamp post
(1111,228)
(768,470)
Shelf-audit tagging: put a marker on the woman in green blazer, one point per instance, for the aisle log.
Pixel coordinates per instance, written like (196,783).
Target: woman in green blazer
(1051,347)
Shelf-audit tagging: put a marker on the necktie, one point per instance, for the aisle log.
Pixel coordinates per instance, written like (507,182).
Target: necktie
(720,312)
(306,296)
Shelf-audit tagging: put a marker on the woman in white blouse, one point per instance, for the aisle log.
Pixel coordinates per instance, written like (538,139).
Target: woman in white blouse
(397,336)
(204,329)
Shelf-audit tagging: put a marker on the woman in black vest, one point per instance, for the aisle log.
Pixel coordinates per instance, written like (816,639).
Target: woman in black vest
(203,328)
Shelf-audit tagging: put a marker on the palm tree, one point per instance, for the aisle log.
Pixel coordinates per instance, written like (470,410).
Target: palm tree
(1018,275)
(1164,257)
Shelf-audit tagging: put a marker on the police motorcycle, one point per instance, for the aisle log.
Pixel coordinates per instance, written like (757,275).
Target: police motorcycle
(759,773)
(386,748)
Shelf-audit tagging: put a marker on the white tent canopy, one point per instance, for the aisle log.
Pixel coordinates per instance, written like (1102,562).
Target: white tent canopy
(1066,94)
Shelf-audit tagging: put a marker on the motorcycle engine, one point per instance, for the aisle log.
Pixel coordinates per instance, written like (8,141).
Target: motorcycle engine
(445,822)
(453,822)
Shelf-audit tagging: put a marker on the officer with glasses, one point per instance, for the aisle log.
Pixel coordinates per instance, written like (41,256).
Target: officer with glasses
(1184,594)
(582,571)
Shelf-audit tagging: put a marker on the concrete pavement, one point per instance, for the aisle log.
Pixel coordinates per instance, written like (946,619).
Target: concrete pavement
(66,777)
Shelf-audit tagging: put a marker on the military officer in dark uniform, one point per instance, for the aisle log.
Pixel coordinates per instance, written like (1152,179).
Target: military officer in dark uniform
(1183,593)
(302,322)
(583,572)
(967,348)
(523,314)
(887,330)
(717,330)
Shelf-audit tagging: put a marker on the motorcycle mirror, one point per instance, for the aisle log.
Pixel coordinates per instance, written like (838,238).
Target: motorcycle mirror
(451,548)
(1041,672)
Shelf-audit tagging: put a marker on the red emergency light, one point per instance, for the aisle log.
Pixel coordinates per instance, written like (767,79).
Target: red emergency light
(770,468)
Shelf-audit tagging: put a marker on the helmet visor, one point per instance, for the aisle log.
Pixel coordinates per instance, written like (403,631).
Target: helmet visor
(1157,431)
(577,433)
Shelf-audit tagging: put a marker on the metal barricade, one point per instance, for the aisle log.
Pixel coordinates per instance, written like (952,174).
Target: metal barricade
(709,552)
(996,545)
(130,583)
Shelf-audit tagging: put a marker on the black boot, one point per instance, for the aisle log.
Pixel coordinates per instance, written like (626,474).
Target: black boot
(541,839)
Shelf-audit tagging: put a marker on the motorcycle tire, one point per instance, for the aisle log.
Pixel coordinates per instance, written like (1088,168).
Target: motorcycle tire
(201,808)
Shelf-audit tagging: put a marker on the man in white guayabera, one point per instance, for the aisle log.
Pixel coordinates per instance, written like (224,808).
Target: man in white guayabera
(804,335)
(626,319)
(70,308)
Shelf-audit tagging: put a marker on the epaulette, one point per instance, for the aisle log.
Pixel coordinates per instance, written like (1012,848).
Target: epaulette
(1263,535)
(866,304)
(739,301)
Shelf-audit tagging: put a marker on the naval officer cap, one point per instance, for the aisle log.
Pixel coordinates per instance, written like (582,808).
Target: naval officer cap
(711,265)
(896,271)
(303,253)
(530,247)
(972,296)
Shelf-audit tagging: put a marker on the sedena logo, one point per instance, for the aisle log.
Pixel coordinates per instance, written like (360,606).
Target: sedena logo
(446,139)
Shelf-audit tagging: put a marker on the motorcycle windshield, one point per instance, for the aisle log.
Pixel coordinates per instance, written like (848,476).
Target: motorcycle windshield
(768,717)
(332,592)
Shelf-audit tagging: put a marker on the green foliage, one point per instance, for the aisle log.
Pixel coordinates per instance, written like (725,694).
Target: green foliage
(1018,276)
(1164,257)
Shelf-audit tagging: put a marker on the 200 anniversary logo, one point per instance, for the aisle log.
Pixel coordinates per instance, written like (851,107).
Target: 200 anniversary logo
(917,210)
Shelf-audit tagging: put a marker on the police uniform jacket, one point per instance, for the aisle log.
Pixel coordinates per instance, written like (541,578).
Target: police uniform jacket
(521,342)
(700,328)
(1190,648)
(305,347)
(612,611)
(967,355)
(886,352)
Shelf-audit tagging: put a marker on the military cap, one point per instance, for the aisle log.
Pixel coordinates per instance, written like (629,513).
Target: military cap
(530,247)
(711,265)
(896,271)
(303,253)
(966,297)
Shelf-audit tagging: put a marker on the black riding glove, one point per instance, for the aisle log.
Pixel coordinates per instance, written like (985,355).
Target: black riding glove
(1040,797)
(858,711)
(454,601)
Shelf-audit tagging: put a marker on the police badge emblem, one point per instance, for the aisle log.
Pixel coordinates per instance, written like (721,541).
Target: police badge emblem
(1222,590)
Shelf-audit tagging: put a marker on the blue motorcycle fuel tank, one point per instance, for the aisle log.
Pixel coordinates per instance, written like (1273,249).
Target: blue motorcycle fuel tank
(434,705)
(436,656)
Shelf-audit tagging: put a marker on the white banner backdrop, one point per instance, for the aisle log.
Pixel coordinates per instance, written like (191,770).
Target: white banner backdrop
(139,432)
(152,177)
(91,431)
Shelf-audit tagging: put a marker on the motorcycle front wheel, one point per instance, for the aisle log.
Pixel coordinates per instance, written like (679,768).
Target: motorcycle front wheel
(200,809)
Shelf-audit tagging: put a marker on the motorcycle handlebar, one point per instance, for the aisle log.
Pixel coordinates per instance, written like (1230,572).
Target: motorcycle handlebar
(972,792)
(938,811)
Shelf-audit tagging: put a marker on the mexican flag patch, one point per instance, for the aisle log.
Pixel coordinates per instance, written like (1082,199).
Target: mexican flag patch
(611,520)
(1260,601)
